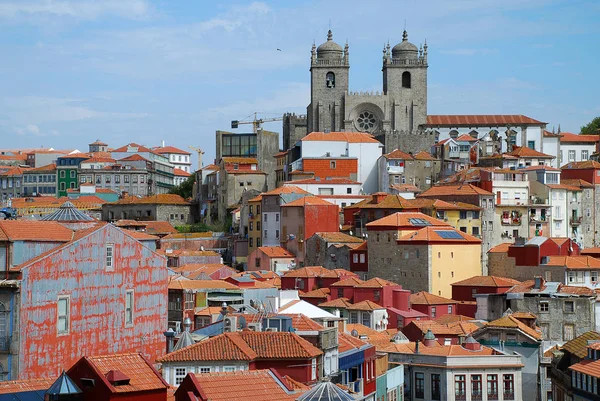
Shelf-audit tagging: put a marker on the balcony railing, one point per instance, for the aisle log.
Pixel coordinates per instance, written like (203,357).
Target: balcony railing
(477,396)
(460,396)
(492,396)
(509,395)
(511,221)
(537,219)
(576,221)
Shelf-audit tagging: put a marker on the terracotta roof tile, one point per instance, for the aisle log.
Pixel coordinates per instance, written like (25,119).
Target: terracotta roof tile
(578,345)
(311,271)
(246,346)
(524,151)
(405,188)
(465,138)
(398,154)
(346,342)
(350,137)
(140,235)
(588,164)
(466,189)
(308,201)
(349,282)
(399,219)
(201,284)
(567,137)
(376,282)
(365,306)
(159,227)
(423,155)
(18,386)
(487,281)
(287,189)
(328,181)
(31,230)
(576,182)
(588,367)
(143,377)
(303,323)
(160,199)
(250,385)
(180,173)
(480,120)
(276,252)
(437,234)
(340,303)
(318,293)
(574,262)
(449,319)
(512,322)
(441,350)
(500,248)
(170,149)
(436,328)
(338,237)
(426,298)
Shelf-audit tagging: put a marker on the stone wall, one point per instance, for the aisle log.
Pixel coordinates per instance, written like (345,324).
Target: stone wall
(294,128)
(407,141)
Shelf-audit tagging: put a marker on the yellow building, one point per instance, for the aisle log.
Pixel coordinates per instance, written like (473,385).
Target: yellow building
(421,253)
(462,216)
(254,233)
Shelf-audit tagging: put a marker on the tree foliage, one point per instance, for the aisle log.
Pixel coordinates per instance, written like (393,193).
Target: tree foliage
(592,128)
(185,189)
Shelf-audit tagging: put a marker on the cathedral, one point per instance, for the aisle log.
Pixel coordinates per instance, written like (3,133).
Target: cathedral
(394,116)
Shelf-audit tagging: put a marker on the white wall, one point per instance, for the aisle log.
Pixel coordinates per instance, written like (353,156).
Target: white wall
(272,225)
(558,201)
(551,146)
(578,148)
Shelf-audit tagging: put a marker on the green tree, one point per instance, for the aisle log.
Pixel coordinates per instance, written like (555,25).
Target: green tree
(185,189)
(593,127)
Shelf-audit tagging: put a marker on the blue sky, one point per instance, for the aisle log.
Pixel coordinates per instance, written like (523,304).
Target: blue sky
(145,71)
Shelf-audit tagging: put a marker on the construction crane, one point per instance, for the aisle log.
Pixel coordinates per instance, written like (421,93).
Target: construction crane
(200,153)
(256,122)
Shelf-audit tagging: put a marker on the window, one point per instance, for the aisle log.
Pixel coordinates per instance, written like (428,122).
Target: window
(313,373)
(353,317)
(476,387)
(569,332)
(251,226)
(258,226)
(355,258)
(419,385)
(349,190)
(584,155)
(340,292)
(330,80)
(544,307)
(449,309)
(406,79)
(569,306)
(229,369)
(475,230)
(109,257)
(433,312)
(63,315)
(492,387)
(571,155)
(435,387)
(531,144)
(129,308)
(257,261)
(332,164)
(366,319)
(276,216)
(509,387)
(265,215)
(265,234)
(251,242)
(179,375)
(63,174)
(277,234)
(594,276)
(460,390)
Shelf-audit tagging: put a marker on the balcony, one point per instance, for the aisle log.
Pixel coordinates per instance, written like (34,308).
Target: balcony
(511,221)
(492,396)
(476,396)
(509,395)
(575,221)
(460,396)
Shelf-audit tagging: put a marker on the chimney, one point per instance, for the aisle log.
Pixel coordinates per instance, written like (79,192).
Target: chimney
(417,347)
(401,299)
(471,344)
(538,282)
(170,335)
(163,144)
(378,197)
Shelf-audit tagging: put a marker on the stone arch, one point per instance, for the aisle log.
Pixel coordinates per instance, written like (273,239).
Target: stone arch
(406,79)
(330,79)
(366,117)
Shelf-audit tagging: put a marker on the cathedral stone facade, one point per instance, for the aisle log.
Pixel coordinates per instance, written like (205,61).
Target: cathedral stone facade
(395,116)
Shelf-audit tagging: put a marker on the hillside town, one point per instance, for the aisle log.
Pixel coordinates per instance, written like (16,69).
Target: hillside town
(371,251)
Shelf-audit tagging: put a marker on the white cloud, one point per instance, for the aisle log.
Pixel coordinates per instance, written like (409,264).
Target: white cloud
(78,9)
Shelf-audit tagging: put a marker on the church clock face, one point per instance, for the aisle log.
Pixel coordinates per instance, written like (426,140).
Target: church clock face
(366,121)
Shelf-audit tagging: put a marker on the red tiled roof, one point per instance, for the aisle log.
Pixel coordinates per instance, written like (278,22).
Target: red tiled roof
(466,189)
(18,386)
(398,154)
(449,319)
(346,342)
(247,385)
(524,151)
(48,167)
(480,120)
(441,350)
(588,367)
(31,230)
(465,138)
(211,167)
(487,281)
(426,298)
(170,149)
(276,252)
(340,303)
(376,282)
(399,219)
(140,148)
(405,188)
(436,234)
(574,262)
(303,323)
(133,158)
(99,159)
(578,345)
(350,137)
(338,237)
(588,164)
(287,189)
(328,181)
(423,155)
(567,137)
(365,305)
(576,182)
(160,199)
(512,322)
(500,248)
(308,201)
(318,293)
(159,227)
(311,271)
(349,282)
(139,235)
(201,285)
(142,376)
(180,173)
(246,346)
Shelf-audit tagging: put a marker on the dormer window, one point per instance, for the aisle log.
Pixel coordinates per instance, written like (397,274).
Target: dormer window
(330,80)
(236,166)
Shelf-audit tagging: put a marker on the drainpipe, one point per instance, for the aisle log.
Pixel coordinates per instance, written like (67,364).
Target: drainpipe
(7,259)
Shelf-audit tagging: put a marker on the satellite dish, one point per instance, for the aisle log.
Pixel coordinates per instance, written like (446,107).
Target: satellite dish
(340,227)
(354,333)
(351,232)
(201,247)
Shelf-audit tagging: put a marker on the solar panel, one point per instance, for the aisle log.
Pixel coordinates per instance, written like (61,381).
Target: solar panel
(449,234)
(418,222)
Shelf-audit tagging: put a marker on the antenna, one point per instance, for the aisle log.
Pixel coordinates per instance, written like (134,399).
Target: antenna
(405,24)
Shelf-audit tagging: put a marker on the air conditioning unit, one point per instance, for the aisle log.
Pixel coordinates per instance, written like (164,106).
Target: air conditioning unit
(229,324)
(271,329)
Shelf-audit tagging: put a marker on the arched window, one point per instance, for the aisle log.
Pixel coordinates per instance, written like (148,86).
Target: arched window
(473,134)
(454,134)
(437,136)
(330,80)
(406,79)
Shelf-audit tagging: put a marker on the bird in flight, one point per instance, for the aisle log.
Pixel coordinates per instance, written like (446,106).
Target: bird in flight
(278,50)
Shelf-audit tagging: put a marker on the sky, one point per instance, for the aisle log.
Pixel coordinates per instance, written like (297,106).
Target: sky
(146,71)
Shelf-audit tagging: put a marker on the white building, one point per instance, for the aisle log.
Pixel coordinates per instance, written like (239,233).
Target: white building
(177,157)
(180,176)
(457,372)
(577,148)
(340,191)
(363,146)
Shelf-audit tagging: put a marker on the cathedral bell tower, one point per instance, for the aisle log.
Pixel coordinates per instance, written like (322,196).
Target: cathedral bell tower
(329,67)
(405,84)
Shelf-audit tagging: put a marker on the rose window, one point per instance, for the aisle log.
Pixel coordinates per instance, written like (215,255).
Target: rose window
(366,121)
